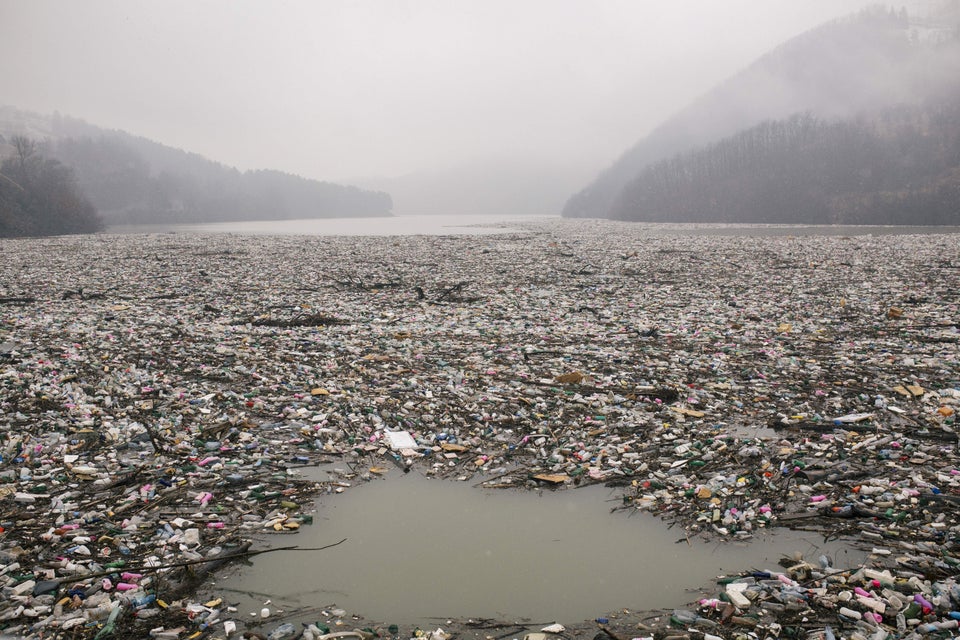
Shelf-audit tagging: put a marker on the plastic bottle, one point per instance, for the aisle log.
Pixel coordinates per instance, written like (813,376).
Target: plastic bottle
(283,632)
(143,601)
(849,613)
(682,617)
(107,629)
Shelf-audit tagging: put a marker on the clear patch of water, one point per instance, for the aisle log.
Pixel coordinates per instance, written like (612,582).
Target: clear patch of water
(437,225)
(421,548)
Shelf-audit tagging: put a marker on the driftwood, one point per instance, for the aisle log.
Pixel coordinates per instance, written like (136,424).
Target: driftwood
(83,295)
(845,512)
(828,475)
(585,270)
(300,320)
(357,283)
(452,293)
(823,427)
(607,630)
(215,562)
(193,571)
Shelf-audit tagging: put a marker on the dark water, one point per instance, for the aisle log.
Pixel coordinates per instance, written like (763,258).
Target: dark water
(418,548)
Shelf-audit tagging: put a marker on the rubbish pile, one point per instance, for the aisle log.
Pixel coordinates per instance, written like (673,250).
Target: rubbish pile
(816,600)
(159,393)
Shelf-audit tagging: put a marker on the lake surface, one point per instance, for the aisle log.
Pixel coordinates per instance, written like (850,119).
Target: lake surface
(487,224)
(420,548)
(386,226)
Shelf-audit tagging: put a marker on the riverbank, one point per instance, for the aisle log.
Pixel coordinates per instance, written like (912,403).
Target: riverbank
(161,392)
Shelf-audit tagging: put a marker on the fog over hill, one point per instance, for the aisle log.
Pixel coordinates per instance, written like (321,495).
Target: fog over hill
(874,59)
(447,105)
(131,179)
(466,106)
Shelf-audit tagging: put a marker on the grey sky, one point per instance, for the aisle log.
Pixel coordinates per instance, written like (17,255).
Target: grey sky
(338,90)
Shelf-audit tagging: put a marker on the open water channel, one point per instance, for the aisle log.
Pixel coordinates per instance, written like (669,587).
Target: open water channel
(378,226)
(418,548)
(433,225)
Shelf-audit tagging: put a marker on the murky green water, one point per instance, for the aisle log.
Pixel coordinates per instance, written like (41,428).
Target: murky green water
(418,549)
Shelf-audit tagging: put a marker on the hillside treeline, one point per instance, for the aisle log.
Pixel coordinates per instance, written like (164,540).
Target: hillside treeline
(133,180)
(39,196)
(899,167)
(874,60)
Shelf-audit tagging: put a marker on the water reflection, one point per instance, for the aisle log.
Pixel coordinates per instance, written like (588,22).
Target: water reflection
(420,548)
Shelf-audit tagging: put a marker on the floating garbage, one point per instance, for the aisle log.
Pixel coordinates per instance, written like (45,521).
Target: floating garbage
(159,394)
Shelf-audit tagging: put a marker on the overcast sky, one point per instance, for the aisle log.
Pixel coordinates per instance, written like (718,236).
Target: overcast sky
(361,88)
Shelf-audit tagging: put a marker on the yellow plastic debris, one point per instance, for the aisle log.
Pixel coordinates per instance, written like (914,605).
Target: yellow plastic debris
(693,413)
(574,377)
(555,478)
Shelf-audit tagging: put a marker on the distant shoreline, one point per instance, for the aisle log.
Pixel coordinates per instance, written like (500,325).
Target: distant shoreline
(473,224)
(393,225)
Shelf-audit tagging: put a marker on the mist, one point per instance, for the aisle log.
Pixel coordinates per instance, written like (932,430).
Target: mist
(394,95)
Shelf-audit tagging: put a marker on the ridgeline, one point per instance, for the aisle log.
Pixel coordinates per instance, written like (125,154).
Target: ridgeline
(852,122)
(133,180)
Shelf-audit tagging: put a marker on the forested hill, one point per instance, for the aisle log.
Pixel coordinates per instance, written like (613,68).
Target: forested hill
(900,167)
(875,59)
(130,179)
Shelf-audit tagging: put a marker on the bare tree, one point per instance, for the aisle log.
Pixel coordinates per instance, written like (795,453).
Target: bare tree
(40,196)
(25,149)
